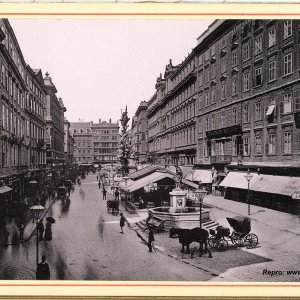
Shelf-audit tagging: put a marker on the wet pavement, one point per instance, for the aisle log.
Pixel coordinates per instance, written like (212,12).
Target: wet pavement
(87,245)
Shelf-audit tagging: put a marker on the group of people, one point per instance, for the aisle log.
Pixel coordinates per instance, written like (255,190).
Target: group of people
(41,229)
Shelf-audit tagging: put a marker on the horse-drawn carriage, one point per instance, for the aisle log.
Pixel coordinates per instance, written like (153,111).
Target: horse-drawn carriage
(241,235)
(62,192)
(113,206)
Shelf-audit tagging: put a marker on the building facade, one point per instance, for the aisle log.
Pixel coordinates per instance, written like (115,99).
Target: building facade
(139,133)
(68,144)
(15,136)
(55,110)
(172,115)
(36,125)
(248,110)
(83,142)
(105,141)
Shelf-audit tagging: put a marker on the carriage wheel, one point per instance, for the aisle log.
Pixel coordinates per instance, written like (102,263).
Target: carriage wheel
(212,242)
(251,240)
(222,245)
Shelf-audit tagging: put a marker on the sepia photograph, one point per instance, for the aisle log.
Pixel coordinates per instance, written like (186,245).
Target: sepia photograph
(150,150)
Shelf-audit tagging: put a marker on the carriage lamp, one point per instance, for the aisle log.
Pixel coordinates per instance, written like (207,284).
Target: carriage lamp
(200,194)
(36,213)
(248,177)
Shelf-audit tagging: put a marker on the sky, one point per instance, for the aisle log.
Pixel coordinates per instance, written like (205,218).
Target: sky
(100,66)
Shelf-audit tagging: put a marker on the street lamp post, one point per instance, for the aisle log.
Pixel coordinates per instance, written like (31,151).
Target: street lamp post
(200,194)
(248,177)
(36,213)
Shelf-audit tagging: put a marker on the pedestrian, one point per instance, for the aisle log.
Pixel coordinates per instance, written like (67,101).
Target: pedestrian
(48,232)
(43,271)
(122,222)
(117,195)
(101,224)
(99,184)
(97,177)
(40,228)
(104,193)
(21,229)
(150,239)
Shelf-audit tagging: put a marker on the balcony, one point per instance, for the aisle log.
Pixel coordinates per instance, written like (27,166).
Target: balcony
(220,159)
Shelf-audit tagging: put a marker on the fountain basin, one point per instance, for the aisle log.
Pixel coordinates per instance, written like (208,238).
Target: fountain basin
(188,217)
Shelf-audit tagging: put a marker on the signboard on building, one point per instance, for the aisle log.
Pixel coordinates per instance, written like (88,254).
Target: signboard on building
(224,132)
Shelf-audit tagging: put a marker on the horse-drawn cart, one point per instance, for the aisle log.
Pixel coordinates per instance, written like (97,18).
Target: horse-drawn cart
(113,206)
(155,223)
(241,235)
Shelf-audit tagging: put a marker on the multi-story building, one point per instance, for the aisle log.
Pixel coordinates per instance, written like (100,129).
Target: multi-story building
(68,144)
(234,104)
(105,141)
(139,133)
(172,115)
(55,110)
(35,109)
(95,142)
(15,136)
(83,142)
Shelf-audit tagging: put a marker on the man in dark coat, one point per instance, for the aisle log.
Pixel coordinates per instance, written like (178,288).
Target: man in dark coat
(122,222)
(43,271)
(40,228)
(150,239)
(104,193)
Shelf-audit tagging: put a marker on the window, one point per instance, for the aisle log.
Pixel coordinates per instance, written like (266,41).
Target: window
(234,85)
(272,37)
(206,124)
(246,82)
(234,116)
(258,45)
(287,103)
(258,76)
(223,64)
(271,144)
(234,146)
(213,95)
(272,70)
(246,146)
(287,142)
(246,51)
(258,111)
(206,74)
(212,122)
(246,113)
(201,78)
(222,120)
(287,28)
(258,144)
(206,98)
(223,91)
(234,58)
(288,65)
(213,70)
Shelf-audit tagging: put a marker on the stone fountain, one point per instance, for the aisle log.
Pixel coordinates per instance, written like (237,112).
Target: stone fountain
(179,215)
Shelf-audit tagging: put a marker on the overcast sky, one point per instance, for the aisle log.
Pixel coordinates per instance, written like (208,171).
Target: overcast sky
(99,66)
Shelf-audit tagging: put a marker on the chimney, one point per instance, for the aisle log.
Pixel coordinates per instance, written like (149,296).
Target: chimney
(100,121)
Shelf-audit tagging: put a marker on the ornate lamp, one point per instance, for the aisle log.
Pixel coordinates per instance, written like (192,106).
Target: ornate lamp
(200,194)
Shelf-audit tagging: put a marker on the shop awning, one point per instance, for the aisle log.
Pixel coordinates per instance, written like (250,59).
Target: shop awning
(138,184)
(282,185)
(204,176)
(189,183)
(237,180)
(4,189)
